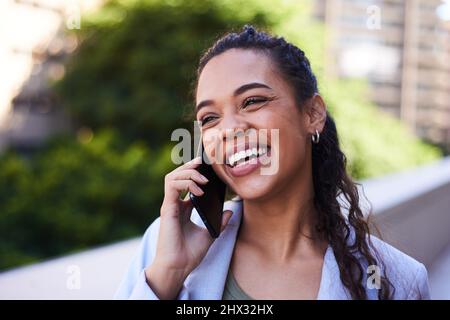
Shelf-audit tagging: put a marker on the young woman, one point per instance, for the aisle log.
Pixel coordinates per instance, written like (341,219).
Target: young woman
(287,237)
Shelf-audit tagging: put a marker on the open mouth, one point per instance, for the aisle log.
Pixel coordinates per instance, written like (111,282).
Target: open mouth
(247,156)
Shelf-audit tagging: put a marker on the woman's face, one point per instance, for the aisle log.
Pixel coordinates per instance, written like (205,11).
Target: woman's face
(240,91)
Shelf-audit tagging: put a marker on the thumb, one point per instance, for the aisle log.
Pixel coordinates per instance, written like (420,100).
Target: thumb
(186,210)
(226,215)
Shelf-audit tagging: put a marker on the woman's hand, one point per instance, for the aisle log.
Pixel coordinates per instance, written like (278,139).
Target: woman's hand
(181,244)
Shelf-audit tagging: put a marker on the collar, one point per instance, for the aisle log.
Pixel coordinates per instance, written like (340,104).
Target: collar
(207,281)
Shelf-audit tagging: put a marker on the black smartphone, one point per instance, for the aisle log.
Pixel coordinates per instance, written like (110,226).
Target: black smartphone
(210,205)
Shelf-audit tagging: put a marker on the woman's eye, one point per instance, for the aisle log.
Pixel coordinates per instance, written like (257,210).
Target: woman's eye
(206,119)
(251,101)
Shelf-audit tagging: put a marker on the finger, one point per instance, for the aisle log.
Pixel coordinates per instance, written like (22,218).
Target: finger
(175,187)
(190,174)
(226,216)
(194,163)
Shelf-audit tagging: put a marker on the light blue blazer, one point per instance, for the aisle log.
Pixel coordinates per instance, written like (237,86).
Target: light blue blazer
(408,276)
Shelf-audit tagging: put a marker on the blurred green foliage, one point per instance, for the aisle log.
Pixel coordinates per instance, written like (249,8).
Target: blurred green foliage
(130,82)
(137,63)
(72,195)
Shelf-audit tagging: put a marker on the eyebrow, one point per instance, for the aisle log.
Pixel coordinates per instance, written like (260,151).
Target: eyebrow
(236,92)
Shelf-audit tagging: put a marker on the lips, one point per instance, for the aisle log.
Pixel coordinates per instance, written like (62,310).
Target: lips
(244,162)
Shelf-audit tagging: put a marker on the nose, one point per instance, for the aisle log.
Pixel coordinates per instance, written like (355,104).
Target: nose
(233,126)
(231,131)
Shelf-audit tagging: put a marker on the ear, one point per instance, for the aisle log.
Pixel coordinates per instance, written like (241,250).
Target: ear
(317,114)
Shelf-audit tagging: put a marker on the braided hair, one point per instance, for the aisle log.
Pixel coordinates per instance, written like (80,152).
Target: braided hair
(330,178)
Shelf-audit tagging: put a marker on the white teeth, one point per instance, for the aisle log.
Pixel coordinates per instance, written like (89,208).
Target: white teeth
(231,160)
(239,156)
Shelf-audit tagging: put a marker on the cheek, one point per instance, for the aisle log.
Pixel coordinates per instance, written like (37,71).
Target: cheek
(290,126)
(210,139)
(296,148)
(293,143)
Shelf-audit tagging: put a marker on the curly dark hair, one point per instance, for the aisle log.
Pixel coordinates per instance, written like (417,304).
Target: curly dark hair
(330,178)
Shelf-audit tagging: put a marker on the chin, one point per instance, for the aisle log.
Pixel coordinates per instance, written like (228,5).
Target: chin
(253,187)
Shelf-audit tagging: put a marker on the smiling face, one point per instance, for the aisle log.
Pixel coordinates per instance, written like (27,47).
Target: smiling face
(241,90)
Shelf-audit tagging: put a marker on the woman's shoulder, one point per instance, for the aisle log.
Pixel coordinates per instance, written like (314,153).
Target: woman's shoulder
(408,276)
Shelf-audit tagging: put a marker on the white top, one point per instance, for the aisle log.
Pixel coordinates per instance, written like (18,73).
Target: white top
(206,282)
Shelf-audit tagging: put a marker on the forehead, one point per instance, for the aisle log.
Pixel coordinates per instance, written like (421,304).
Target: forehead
(231,69)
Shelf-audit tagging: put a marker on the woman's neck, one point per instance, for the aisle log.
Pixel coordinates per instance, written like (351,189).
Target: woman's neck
(283,225)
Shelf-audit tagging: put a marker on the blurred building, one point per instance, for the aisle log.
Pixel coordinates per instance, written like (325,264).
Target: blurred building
(403,49)
(33,45)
